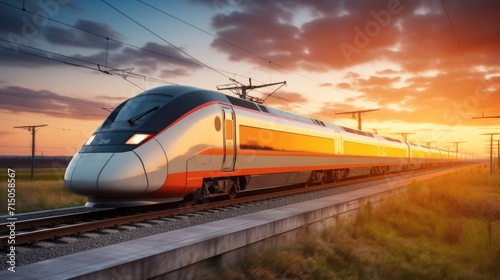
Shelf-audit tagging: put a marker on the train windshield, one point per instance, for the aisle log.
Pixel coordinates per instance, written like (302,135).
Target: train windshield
(135,111)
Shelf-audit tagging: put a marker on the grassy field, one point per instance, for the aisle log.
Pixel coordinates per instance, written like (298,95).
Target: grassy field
(46,193)
(446,228)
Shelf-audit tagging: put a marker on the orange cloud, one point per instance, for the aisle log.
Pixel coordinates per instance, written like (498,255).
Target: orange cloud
(45,102)
(440,76)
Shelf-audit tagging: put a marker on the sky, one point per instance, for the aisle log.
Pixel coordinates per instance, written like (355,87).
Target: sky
(429,66)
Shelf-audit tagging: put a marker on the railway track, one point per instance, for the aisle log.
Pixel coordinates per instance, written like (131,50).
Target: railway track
(33,230)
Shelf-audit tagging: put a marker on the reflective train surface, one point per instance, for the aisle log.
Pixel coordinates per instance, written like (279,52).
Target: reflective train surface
(179,143)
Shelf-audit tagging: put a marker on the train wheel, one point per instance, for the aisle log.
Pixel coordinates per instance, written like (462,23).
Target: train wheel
(232,194)
(318,177)
(235,188)
(189,200)
(340,174)
(307,183)
(322,176)
(197,197)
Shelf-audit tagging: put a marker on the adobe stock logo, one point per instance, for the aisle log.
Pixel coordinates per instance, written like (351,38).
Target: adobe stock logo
(47,9)
(363,37)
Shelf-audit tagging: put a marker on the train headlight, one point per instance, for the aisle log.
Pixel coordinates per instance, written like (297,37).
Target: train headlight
(90,140)
(137,138)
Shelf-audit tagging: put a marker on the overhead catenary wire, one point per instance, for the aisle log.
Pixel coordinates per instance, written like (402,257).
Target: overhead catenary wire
(82,63)
(164,40)
(123,43)
(74,58)
(457,40)
(473,77)
(269,62)
(206,32)
(95,68)
(239,47)
(107,38)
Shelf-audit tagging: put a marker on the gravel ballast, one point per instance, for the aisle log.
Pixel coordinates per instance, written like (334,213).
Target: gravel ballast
(26,254)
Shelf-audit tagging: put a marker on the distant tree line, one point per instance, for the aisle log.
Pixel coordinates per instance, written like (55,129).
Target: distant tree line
(40,161)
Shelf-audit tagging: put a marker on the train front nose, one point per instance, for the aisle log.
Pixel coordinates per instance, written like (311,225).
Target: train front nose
(131,173)
(104,174)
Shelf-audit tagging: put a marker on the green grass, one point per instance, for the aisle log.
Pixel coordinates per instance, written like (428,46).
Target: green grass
(46,193)
(445,228)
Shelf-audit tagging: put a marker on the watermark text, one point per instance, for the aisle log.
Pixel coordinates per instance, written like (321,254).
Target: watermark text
(11,209)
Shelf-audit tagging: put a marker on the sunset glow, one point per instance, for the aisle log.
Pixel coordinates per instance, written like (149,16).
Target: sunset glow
(430,66)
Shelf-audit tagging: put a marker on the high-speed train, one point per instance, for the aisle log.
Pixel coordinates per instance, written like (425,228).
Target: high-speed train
(180,143)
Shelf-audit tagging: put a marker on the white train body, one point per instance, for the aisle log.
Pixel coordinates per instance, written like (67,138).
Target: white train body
(178,143)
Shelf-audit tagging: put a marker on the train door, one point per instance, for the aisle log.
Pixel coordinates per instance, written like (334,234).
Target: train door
(229,139)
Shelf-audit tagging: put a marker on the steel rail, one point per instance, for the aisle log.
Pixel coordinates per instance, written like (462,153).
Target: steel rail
(55,227)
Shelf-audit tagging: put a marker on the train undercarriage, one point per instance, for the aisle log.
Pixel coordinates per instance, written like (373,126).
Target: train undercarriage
(231,186)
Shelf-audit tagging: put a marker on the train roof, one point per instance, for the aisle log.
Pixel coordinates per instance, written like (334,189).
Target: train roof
(179,90)
(171,90)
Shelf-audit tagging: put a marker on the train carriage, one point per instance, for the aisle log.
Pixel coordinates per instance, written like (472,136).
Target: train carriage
(176,143)
(360,151)
(418,156)
(397,153)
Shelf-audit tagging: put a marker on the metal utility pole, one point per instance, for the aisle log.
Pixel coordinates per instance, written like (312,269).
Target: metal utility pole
(491,150)
(498,153)
(32,130)
(456,146)
(487,117)
(405,135)
(491,139)
(245,88)
(359,115)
